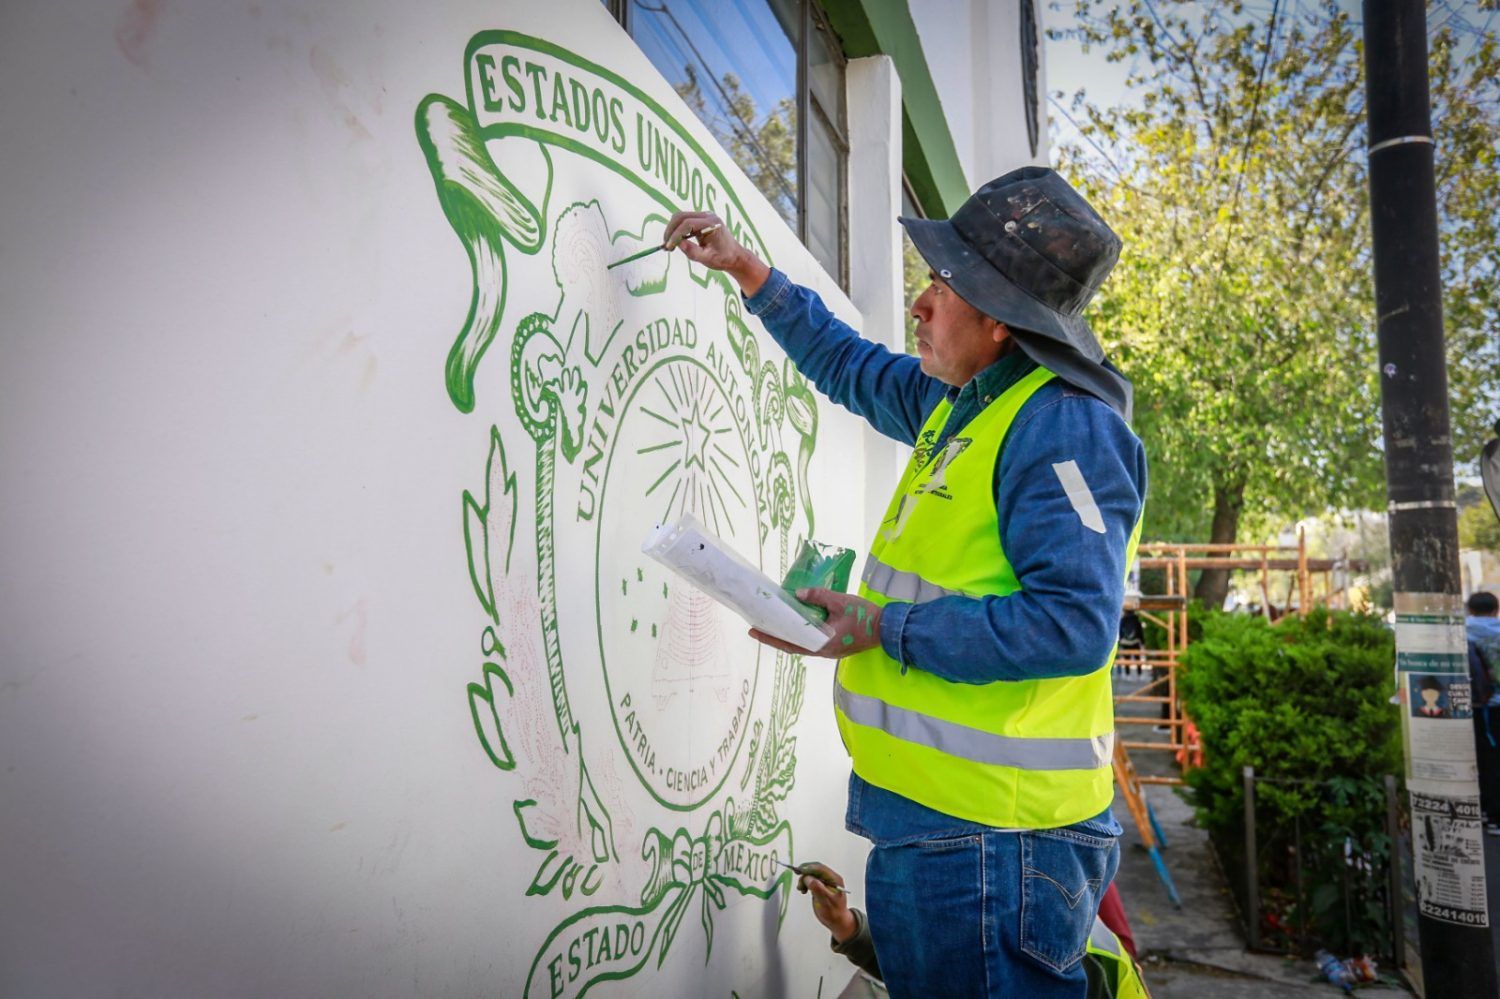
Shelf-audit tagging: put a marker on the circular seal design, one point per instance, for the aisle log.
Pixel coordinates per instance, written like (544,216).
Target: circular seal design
(681,681)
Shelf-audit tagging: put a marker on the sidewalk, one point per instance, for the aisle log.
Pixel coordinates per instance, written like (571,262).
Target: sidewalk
(1197,952)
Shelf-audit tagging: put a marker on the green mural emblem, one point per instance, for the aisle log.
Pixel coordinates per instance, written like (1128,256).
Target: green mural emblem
(645,743)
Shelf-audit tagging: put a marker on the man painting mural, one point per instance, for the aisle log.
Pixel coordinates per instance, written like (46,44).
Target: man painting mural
(973,688)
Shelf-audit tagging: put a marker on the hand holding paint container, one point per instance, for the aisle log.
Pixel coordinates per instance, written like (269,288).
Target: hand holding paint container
(819,566)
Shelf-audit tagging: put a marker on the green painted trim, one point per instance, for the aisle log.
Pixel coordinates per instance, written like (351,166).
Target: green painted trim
(884,27)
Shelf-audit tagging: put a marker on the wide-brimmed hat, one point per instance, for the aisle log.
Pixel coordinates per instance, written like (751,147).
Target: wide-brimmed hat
(1028,250)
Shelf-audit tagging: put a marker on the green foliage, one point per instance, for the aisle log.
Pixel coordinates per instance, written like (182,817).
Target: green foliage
(1242,305)
(1478,527)
(913,282)
(1306,699)
(1306,703)
(763,144)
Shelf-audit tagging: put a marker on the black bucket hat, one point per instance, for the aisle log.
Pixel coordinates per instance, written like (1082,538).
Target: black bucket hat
(1028,250)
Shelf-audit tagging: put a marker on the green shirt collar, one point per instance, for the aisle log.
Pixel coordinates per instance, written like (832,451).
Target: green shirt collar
(987,386)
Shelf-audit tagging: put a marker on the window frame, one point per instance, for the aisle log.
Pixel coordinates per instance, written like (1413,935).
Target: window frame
(814,19)
(834,122)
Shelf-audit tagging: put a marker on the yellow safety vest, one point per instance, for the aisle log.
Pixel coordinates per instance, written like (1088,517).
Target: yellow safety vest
(1111,972)
(1018,754)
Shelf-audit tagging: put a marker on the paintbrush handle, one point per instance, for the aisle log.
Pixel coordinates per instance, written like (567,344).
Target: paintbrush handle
(803,871)
(701,232)
(636,256)
(653,249)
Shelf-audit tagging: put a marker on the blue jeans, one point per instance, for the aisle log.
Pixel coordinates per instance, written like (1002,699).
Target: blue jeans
(989,913)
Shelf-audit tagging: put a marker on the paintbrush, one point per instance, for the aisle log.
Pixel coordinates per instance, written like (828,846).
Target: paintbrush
(807,869)
(652,249)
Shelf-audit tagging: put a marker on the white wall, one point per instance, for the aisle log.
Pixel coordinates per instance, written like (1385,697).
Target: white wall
(973,54)
(246,722)
(875,241)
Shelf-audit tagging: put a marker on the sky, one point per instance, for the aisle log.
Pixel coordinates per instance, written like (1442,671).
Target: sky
(1069,69)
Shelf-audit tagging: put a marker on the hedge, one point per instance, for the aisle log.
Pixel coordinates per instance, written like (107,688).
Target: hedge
(1306,702)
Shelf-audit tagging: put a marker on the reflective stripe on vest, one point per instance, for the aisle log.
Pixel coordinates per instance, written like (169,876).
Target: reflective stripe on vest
(905,586)
(972,743)
(1102,938)
(1117,975)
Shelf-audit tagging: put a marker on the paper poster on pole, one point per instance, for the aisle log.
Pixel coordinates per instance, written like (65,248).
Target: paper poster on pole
(1448,847)
(1433,689)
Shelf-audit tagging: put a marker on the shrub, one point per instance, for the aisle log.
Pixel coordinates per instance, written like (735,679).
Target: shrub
(1155,634)
(1306,702)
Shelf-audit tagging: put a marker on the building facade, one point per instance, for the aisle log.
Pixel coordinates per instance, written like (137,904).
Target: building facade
(331,660)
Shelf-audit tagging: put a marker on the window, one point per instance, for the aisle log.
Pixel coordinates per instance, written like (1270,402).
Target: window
(1030,64)
(767,78)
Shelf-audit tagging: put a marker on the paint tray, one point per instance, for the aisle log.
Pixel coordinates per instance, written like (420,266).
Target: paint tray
(693,552)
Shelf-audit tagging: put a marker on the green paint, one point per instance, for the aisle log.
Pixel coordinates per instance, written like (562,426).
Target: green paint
(543,428)
(651,223)
(565,377)
(520,807)
(486,210)
(487,720)
(636,256)
(861,615)
(732,860)
(645,379)
(750,755)
(929,157)
(489,643)
(477,526)
(669,200)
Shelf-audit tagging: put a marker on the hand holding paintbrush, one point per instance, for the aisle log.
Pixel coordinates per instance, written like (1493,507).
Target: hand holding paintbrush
(822,873)
(830,898)
(704,239)
(654,249)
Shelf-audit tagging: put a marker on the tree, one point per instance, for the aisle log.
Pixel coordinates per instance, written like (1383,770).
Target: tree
(1241,306)
(764,147)
(1478,527)
(914,281)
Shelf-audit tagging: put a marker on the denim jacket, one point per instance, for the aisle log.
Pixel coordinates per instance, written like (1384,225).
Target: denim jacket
(1066,618)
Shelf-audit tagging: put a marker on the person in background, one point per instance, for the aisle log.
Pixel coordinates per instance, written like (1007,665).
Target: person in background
(1132,634)
(1483,628)
(1108,963)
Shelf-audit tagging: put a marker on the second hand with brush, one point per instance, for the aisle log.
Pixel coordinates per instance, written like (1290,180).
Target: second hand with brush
(655,249)
(810,869)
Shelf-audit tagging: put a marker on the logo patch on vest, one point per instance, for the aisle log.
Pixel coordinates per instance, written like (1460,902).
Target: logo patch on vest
(924,447)
(935,485)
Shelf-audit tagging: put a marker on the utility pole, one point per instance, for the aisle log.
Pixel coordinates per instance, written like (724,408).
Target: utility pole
(1457,953)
